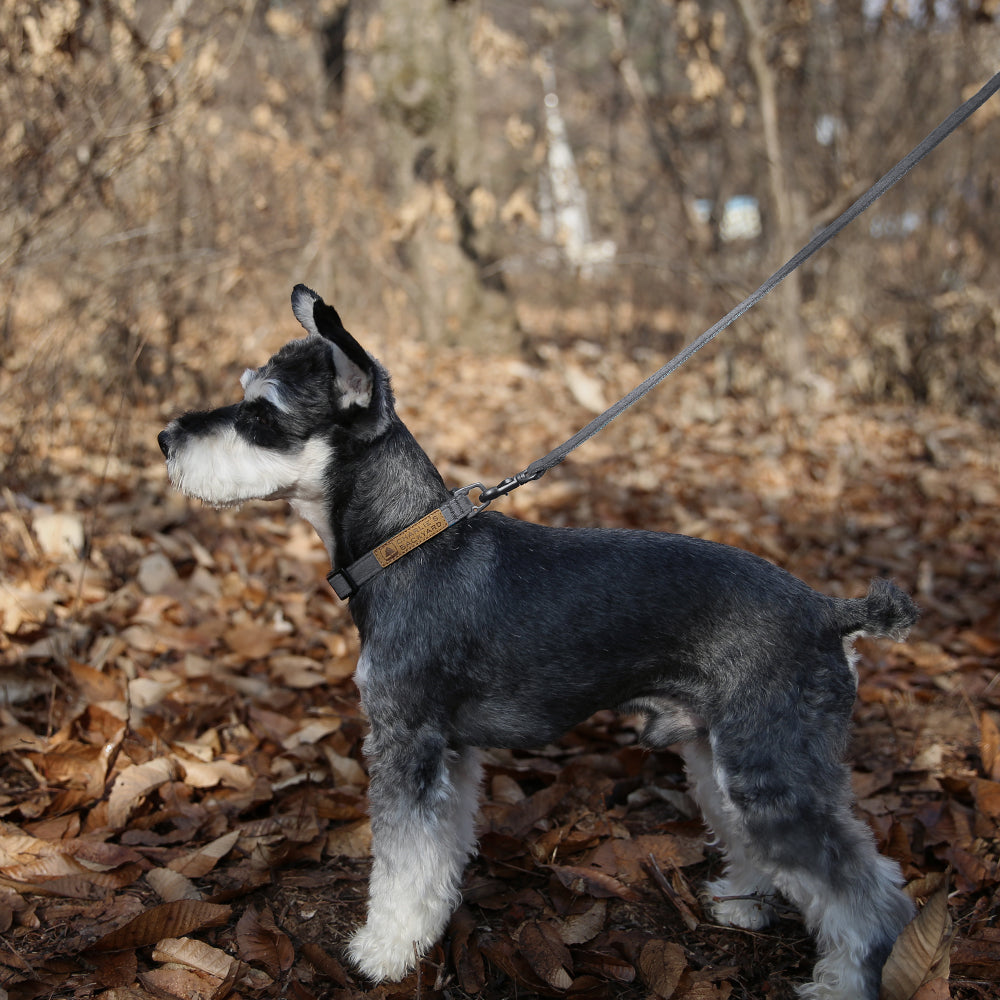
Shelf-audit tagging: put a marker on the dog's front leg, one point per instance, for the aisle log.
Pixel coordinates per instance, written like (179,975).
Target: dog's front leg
(423,799)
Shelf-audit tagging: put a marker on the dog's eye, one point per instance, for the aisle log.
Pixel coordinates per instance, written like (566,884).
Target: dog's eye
(261,412)
(258,416)
(260,423)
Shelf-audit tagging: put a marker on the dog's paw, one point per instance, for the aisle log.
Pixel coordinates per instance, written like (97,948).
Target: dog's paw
(749,912)
(826,991)
(378,957)
(839,976)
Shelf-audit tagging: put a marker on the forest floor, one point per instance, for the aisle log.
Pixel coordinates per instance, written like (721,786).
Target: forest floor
(182,788)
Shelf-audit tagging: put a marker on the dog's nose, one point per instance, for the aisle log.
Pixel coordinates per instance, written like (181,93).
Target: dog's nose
(163,440)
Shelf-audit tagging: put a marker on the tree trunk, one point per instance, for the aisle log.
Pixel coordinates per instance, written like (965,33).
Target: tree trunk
(789,293)
(425,84)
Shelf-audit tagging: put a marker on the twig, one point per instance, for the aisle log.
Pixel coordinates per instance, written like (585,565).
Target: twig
(762,899)
(687,915)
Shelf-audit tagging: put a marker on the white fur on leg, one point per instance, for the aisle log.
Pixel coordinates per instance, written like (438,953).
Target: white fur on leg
(742,877)
(839,973)
(416,876)
(848,923)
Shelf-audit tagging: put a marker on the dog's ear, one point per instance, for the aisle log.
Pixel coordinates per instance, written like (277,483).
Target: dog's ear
(350,359)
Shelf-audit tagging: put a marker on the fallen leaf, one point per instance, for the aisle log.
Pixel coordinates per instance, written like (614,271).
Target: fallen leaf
(585,389)
(505,790)
(346,770)
(978,956)
(251,641)
(176,981)
(156,573)
(14,736)
(590,882)
(19,605)
(96,685)
(935,989)
(989,746)
(324,963)
(607,966)
(196,955)
(579,928)
(312,732)
(197,863)
(662,963)
(987,645)
(628,858)
(18,850)
(74,867)
(134,783)
(351,840)
(987,796)
(262,942)
(500,951)
(171,886)
(143,639)
(75,765)
(176,919)
(296,671)
(922,952)
(465,953)
(144,692)
(706,991)
(115,969)
(211,774)
(515,819)
(545,952)
(930,658)
(59,534)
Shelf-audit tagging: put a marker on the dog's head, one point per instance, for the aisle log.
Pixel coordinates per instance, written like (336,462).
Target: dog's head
(316,394)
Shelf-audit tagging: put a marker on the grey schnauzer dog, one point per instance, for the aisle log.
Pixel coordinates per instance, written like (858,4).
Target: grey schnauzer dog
(501,633)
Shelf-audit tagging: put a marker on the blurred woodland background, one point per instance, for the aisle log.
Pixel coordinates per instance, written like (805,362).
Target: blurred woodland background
(522,208)
(168,168)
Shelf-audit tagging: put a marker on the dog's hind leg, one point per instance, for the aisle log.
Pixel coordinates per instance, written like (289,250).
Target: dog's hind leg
(423,799)
(794,804)
(740,897)
(850,898)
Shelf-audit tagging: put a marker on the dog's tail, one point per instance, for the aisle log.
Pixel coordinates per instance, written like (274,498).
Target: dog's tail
(886,611)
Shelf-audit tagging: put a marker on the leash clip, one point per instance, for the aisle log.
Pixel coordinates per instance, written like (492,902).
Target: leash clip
(508,485)
(483,503)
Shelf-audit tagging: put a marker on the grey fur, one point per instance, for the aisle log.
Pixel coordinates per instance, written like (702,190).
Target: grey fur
(504,633)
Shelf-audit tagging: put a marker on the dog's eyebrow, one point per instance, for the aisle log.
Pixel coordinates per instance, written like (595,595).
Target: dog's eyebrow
(257,386)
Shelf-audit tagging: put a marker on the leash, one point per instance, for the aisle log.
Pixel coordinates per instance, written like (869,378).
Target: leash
(346,581)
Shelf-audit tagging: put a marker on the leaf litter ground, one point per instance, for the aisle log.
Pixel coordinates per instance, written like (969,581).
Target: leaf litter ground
(182,805)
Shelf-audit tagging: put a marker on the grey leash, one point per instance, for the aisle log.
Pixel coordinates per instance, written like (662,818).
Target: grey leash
(538,468)
(346,580)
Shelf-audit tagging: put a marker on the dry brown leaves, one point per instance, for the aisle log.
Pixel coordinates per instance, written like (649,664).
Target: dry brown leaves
(182,807)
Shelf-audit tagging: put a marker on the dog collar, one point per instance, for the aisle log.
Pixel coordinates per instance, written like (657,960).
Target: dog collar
(347,580)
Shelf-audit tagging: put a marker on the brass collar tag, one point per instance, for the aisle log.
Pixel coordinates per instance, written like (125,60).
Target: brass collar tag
(409,538)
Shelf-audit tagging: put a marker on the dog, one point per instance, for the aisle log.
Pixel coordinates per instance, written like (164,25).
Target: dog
(501,633)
